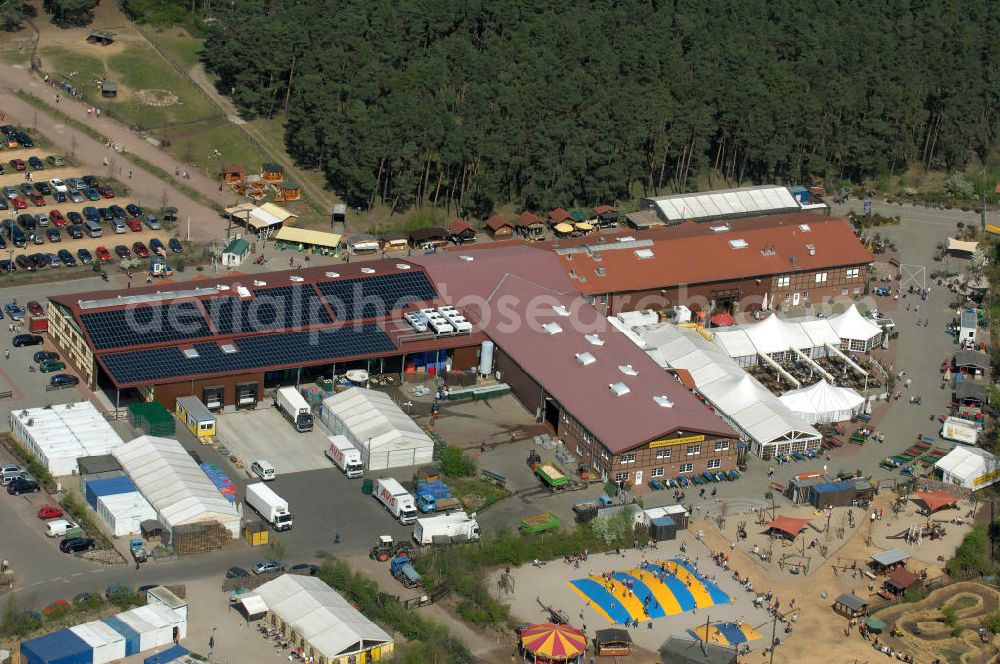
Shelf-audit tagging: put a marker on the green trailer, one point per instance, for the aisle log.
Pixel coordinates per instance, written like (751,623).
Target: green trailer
(539,522)
(551,476)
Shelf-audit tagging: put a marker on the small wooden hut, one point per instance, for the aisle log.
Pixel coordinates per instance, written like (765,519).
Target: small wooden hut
(395,242)
(498,227)
(232,173)
(273,173)
(289,191)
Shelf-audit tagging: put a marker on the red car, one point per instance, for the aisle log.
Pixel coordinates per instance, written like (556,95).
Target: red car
(57,218)
(106,191)
(49,512)
(38,200)
(133,224)
(103,254)
(35,308)
(140,250)
(20,203)
(18,164)
(122,251)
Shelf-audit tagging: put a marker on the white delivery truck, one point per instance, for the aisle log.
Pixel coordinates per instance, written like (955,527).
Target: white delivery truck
(294,408)
(345,456)
(269,505)
(960,430)
(396,499)
(457,526)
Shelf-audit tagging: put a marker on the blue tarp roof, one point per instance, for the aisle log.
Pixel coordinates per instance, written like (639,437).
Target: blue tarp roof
(62,647)
(833,486)
(168,655)
(121,627)
(111,486)
(663,521)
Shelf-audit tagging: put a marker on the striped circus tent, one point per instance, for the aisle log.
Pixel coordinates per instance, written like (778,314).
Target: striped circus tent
(548,642)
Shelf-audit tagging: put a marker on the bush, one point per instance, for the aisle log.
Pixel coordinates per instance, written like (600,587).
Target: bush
(992,622)
(32,463)
(456,463)
(17,620)
(949,616)
(72,505)
(972,555)
(914,594)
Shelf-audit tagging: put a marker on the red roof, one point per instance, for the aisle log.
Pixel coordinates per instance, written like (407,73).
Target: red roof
(559,215)
(936,500)
(600,209)
(457,226)
(496,222)
(527,218)
(789,525)
(685,378)
(693,253)
(903,578)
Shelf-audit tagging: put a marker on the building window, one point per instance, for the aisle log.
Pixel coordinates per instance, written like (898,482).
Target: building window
(784,281)
(621,477)
(714,463)
(627,458)
(657,472)
(843,291)
(579,450)
(857,290)
(821,277)
(722,446)
(788,298)
(686,467)
(853,273)
(663,454)
(694,449)
(596,466)
(605,454)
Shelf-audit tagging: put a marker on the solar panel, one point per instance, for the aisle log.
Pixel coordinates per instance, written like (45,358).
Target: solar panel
(278,308)
(134,326)
(371,297)
(252,353)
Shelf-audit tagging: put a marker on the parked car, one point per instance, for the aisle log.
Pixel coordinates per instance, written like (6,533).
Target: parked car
(134,210)
(134,225)
(77,544)
(20,204)
(76,196)
(152,221)
(265,566)
(41,260)
(55,160)
(118,212)
(38,200)
(63,380)
(236,573)
(91,194)
(74,217)
(90,181)
(25,263)
(76,184)
(49,512)
(9,192)
(27,188)
(156,246)
(10,472)
(21,340)
(90,213)
(59,196)
(58,185)
(7,265)
(175,245)
(66,258)
(43,188)
(103,254)
(106,191)
(105,213)
(14,311)
(51,365)
(75,231)
(23,485)
(24,140)
(18,164)
(35,308)
(35,163)
(57,218)
(84,256)
(305,568)
(122,251)
(53,234)
(140,250)
(44,356)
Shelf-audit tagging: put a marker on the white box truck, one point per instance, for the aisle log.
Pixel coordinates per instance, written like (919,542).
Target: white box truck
(269,505)
(447,528)
(294,408)
(396,499)
(345,456)
(960,430)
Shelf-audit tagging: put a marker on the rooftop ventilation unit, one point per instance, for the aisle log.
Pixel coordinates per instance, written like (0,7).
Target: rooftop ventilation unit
(721,228)
(467,259)
(600,271)
(402,266)
(620,389)
(768,251)
(812,249)
(594,340)
(368,270)
(552,328)
(296,279)
(596,255)
(663,401)
(258,282)
(190,353)
(804,228)
(585,358)
(333,275)
(739,244)
(243,291)
(794,261)
(221,287)
(628,370)
(227,348)
(643,254)
(560,310)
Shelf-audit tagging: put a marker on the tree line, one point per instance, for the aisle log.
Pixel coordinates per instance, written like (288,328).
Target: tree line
(471,104)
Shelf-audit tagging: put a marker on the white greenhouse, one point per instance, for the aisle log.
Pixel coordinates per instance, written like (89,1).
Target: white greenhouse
(123,513)
(60,434)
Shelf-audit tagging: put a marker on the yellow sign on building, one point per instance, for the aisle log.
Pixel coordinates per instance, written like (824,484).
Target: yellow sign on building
(666,442)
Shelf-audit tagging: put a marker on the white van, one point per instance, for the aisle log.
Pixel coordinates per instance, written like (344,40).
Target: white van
(58,527)
(263,470)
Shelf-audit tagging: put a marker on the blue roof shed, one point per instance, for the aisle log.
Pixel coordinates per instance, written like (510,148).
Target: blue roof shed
(109,486)
(130,633)
(168,655)
(62,647)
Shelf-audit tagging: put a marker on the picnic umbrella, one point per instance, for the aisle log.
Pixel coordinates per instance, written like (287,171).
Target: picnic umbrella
(563,228)
(874,624)
(553,643)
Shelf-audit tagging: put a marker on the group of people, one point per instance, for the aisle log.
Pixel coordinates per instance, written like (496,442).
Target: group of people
(575,558)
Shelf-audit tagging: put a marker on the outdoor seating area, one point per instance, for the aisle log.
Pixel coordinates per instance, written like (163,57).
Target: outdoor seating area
(682,481)
(917,459)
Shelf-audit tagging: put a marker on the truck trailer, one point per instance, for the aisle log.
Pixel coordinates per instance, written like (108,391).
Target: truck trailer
(345,456)
(272,507)
(294,408)
(396,499)
(446,528)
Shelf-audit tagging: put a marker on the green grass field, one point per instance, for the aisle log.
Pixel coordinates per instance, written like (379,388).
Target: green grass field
(179,45)
(197,144)
(79,69)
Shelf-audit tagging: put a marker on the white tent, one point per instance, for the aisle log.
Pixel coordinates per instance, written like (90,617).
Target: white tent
(124,512)
(969,467)
(60,434)
(856,332)
(174,485)
(823,402)
(325,621)
(386,436)
(156,624)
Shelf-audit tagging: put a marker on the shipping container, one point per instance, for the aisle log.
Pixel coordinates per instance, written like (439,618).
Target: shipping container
(107,644)
(128,632)
(62,647)
(107,486)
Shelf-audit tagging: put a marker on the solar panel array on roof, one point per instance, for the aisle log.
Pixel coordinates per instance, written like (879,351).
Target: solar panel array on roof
(137,326)
(279,308)
(251,353)
(370,297)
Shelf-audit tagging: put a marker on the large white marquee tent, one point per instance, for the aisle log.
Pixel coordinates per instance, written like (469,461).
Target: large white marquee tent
(969,467)
(386,436)
(60,434)
(823,402)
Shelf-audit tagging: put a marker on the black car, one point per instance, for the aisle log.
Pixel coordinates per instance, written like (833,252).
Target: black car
(6,265)
(74,218)
(9,130)
(118,212)
(237,573)
(43,188)
(23,485)
(154,245)
(90,213)
(26,339)
(175,245)
(44,356)
(24,140)
(41,260)
(305,568)
(54,235)
(105,214)
(59,196)
(76,544)
(63,380)
(27,222)
(75,231)
(25,262)
(133,210)
(28,189)
(3,242)
(84,256)
(36,163)
(66,258)
(90,181)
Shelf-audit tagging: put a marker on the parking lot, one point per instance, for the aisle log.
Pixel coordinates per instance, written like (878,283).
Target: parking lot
(285,448)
